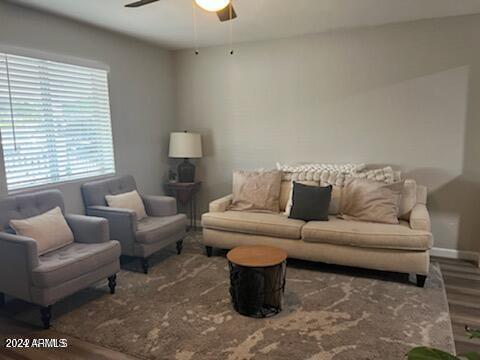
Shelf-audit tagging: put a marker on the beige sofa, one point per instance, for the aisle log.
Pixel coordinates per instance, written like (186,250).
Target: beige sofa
(400,248)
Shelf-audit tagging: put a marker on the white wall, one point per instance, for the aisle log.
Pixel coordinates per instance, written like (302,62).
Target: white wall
(141,95)
(404,94)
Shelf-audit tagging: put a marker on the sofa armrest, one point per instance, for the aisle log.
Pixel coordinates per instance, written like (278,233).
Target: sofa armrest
(18,257)
(122,224)
(160,205)
(221,205)
(420,218)
(88,229)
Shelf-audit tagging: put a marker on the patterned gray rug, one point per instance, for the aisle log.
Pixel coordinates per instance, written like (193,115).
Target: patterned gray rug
(181,310)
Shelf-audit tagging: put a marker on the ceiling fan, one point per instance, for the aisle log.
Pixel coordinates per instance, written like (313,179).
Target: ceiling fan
(223,8)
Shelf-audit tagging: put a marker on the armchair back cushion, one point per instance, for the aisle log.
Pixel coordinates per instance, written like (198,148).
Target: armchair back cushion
(94,192)
(28,205)
(129,200)
(50,230)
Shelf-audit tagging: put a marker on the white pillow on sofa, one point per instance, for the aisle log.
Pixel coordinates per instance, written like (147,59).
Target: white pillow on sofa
(129,200)
(50,230)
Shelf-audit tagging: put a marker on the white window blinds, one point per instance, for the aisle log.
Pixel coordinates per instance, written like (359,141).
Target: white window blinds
(54,120)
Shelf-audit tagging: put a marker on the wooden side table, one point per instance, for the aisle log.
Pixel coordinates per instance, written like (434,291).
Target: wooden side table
(185,195)
(257,280)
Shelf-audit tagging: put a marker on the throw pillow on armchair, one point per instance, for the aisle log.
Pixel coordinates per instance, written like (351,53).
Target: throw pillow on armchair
(50,230)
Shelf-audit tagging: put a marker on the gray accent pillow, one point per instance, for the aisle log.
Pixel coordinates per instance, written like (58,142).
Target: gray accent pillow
(288,206)
(310,203)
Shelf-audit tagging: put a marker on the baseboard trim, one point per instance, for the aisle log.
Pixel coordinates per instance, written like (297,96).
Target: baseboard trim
(455,254)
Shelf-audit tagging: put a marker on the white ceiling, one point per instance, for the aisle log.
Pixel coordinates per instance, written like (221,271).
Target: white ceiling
(170,22)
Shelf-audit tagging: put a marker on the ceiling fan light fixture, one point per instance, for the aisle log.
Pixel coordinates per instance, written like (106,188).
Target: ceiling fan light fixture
(212,5)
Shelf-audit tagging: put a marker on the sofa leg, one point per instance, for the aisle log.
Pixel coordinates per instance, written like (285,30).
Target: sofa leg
(46,315)
(112,282)
(144,265)
(421,280)
(179,247)
(209,250)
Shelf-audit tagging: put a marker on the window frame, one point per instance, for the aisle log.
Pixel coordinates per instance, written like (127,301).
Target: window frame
(67,60)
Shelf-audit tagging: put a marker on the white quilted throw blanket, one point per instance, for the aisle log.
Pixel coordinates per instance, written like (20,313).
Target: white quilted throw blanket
(335,174)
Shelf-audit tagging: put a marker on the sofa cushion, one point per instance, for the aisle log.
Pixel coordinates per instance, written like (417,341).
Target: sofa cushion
(367,234)
(334,207)
(408,199)
(256,191)
(370,201)
(154,229)
(72,261)
(285,187)
(277,225)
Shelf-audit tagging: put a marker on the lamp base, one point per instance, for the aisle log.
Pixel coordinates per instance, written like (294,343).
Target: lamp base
(186,172)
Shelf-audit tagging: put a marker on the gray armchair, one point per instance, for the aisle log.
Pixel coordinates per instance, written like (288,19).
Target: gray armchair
(46,279)
(162,227)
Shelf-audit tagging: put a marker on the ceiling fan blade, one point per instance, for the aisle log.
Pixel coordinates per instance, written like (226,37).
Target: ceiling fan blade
(140,3)
(224,14)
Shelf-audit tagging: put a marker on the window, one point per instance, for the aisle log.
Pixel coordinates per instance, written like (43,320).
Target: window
(54,121)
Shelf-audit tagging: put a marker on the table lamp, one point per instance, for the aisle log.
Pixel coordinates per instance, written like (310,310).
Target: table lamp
(187,146)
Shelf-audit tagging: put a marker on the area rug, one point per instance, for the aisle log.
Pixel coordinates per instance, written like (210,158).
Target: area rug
(181,310)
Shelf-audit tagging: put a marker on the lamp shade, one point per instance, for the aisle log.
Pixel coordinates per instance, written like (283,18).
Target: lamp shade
(185,145)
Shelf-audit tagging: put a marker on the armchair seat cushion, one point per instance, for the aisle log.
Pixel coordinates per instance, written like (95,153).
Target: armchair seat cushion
(73,261)
(154,229)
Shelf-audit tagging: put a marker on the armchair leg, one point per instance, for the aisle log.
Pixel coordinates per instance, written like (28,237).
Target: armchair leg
(2,299)
(209,250)
(144,265)
(112,282)
(46,315)
(179,247)
(421,280)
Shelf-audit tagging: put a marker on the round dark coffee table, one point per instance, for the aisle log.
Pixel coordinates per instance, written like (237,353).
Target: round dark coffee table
(257,279)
